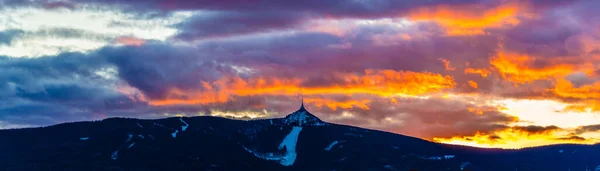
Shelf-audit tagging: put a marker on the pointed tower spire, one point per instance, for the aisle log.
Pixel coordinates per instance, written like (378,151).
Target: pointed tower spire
(302,117)
(302,104)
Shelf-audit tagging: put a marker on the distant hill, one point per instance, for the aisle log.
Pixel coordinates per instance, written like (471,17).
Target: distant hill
(299,141)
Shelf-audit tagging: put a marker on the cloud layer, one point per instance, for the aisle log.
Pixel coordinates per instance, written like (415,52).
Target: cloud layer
(457,72)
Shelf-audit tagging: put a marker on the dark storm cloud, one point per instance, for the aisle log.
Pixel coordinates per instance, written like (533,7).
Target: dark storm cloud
(37,3)
(282,55)
(223,24)
(277,44)
(235,17)
(549,35)
(60,93)
(572,138)
(52,89)
(68,83)
(59,4)
(72,83)
(29,73)
(68,33)
(70,80)
(64,64)
(534,129)
(7,36)
(587,128)
(342,8)
(334,8)
(67,87)
(156,68)
(38,114)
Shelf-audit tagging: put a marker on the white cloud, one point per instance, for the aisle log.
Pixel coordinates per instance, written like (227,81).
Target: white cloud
(96,27)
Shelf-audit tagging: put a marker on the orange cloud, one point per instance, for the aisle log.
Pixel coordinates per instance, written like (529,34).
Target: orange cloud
(475,110)
(334,105)
(518,68)
(481,71)
(178,97)
(564,88)
(480,110)
(469,19)
(447,65)
(472,83)
(375,82)
(586,96)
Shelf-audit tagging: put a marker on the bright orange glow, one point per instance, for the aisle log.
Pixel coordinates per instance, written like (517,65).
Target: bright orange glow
(334,105)
(588,94)
(518,68)
(472,83)
(383,83)
(565,89)
(514,138)
(481,71)
(480,110)
(469,19)
(475,110)
(204,98)
(393,100)
(447,65)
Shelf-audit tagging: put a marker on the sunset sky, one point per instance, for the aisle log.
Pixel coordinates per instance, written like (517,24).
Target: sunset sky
(488,73)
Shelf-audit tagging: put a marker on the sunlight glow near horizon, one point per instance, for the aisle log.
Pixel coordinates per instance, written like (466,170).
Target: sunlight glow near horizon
(547,112)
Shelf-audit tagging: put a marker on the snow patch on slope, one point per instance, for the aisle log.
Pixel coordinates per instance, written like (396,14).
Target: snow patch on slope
(183,128)
(444,157)
(289,143)
(463,165)
(267,156)
(174,134)
(448,156)
(115,154)
(328,148)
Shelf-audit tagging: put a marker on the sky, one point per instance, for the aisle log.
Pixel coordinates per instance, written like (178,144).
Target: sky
(487,73)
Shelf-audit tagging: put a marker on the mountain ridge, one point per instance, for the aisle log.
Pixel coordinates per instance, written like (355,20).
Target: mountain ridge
(267,119)
(289,143)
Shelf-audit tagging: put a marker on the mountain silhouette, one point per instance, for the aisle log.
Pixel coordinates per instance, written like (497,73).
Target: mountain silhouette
(300,141)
